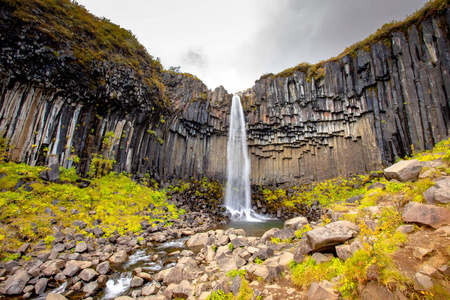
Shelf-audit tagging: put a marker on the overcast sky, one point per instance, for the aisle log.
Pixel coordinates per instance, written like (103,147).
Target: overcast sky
(233,42)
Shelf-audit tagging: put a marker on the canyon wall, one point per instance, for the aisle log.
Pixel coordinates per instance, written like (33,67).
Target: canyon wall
(351,114)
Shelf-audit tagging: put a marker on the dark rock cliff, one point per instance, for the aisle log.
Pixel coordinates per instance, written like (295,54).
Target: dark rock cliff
(355,114)
(358,112)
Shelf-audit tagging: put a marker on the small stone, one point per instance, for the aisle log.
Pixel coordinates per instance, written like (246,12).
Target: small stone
(420,253)
(405,229)
(422,282)
(136,282)
(80,247)
(90,288)
(103,268)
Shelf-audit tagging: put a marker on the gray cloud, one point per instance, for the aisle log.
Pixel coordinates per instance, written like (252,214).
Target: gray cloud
(194,59)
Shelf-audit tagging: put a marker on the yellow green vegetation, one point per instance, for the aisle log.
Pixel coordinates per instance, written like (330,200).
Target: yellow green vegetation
(379,244)
(327,192)
(117,201)
(383,34)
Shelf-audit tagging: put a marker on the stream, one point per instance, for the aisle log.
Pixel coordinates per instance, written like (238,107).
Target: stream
(155,258)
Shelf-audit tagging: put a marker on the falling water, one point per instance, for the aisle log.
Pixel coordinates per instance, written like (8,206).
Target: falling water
(237,193)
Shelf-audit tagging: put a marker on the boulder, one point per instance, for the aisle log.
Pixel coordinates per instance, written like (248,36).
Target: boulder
(136,282)
(326,237)
(183,290)
(90,288)
(16,283)
(296,223)
(151,290)
(442,193)
(119,257)
(87,275)
(236,285)
(147,277)
(404,170)
(81,264)
(53,296)
(269,234)
(320,292)
(284,234)
(322,257)
(198,239)
(80,247)
(424,214)
(52,267)
(375,290)
(103,268)
(39,287)
(52,171)
(268,273)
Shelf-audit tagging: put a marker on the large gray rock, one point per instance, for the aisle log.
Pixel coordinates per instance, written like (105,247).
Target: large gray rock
(80,247)
(16,283)
(103,268)
(52,171)
(284,234)
(404,170)
(442,193)
(52,267)
(39,287)
(87,275)
(136,282)
(320,292)
(268,234)
(323,238)
(296,223)
(424,214)
(183,290)
(198,239)
(90,288)
(119,257)
(268,273)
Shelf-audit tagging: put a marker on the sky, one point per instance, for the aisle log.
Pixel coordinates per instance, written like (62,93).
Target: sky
(233,42)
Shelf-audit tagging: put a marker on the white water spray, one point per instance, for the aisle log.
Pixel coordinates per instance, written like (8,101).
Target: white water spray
(237,193)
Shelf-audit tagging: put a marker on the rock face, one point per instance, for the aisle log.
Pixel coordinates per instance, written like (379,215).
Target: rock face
(352,115)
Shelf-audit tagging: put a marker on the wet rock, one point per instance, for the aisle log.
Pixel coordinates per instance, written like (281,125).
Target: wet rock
(424,214)
(404,170)
(16,283)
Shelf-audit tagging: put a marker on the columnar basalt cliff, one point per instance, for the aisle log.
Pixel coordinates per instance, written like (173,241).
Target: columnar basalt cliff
(351,114)
(355,113)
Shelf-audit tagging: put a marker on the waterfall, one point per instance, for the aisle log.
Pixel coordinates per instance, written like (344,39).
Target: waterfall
(238,193)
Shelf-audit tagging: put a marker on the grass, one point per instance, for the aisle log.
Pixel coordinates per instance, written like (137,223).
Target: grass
(119,203)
